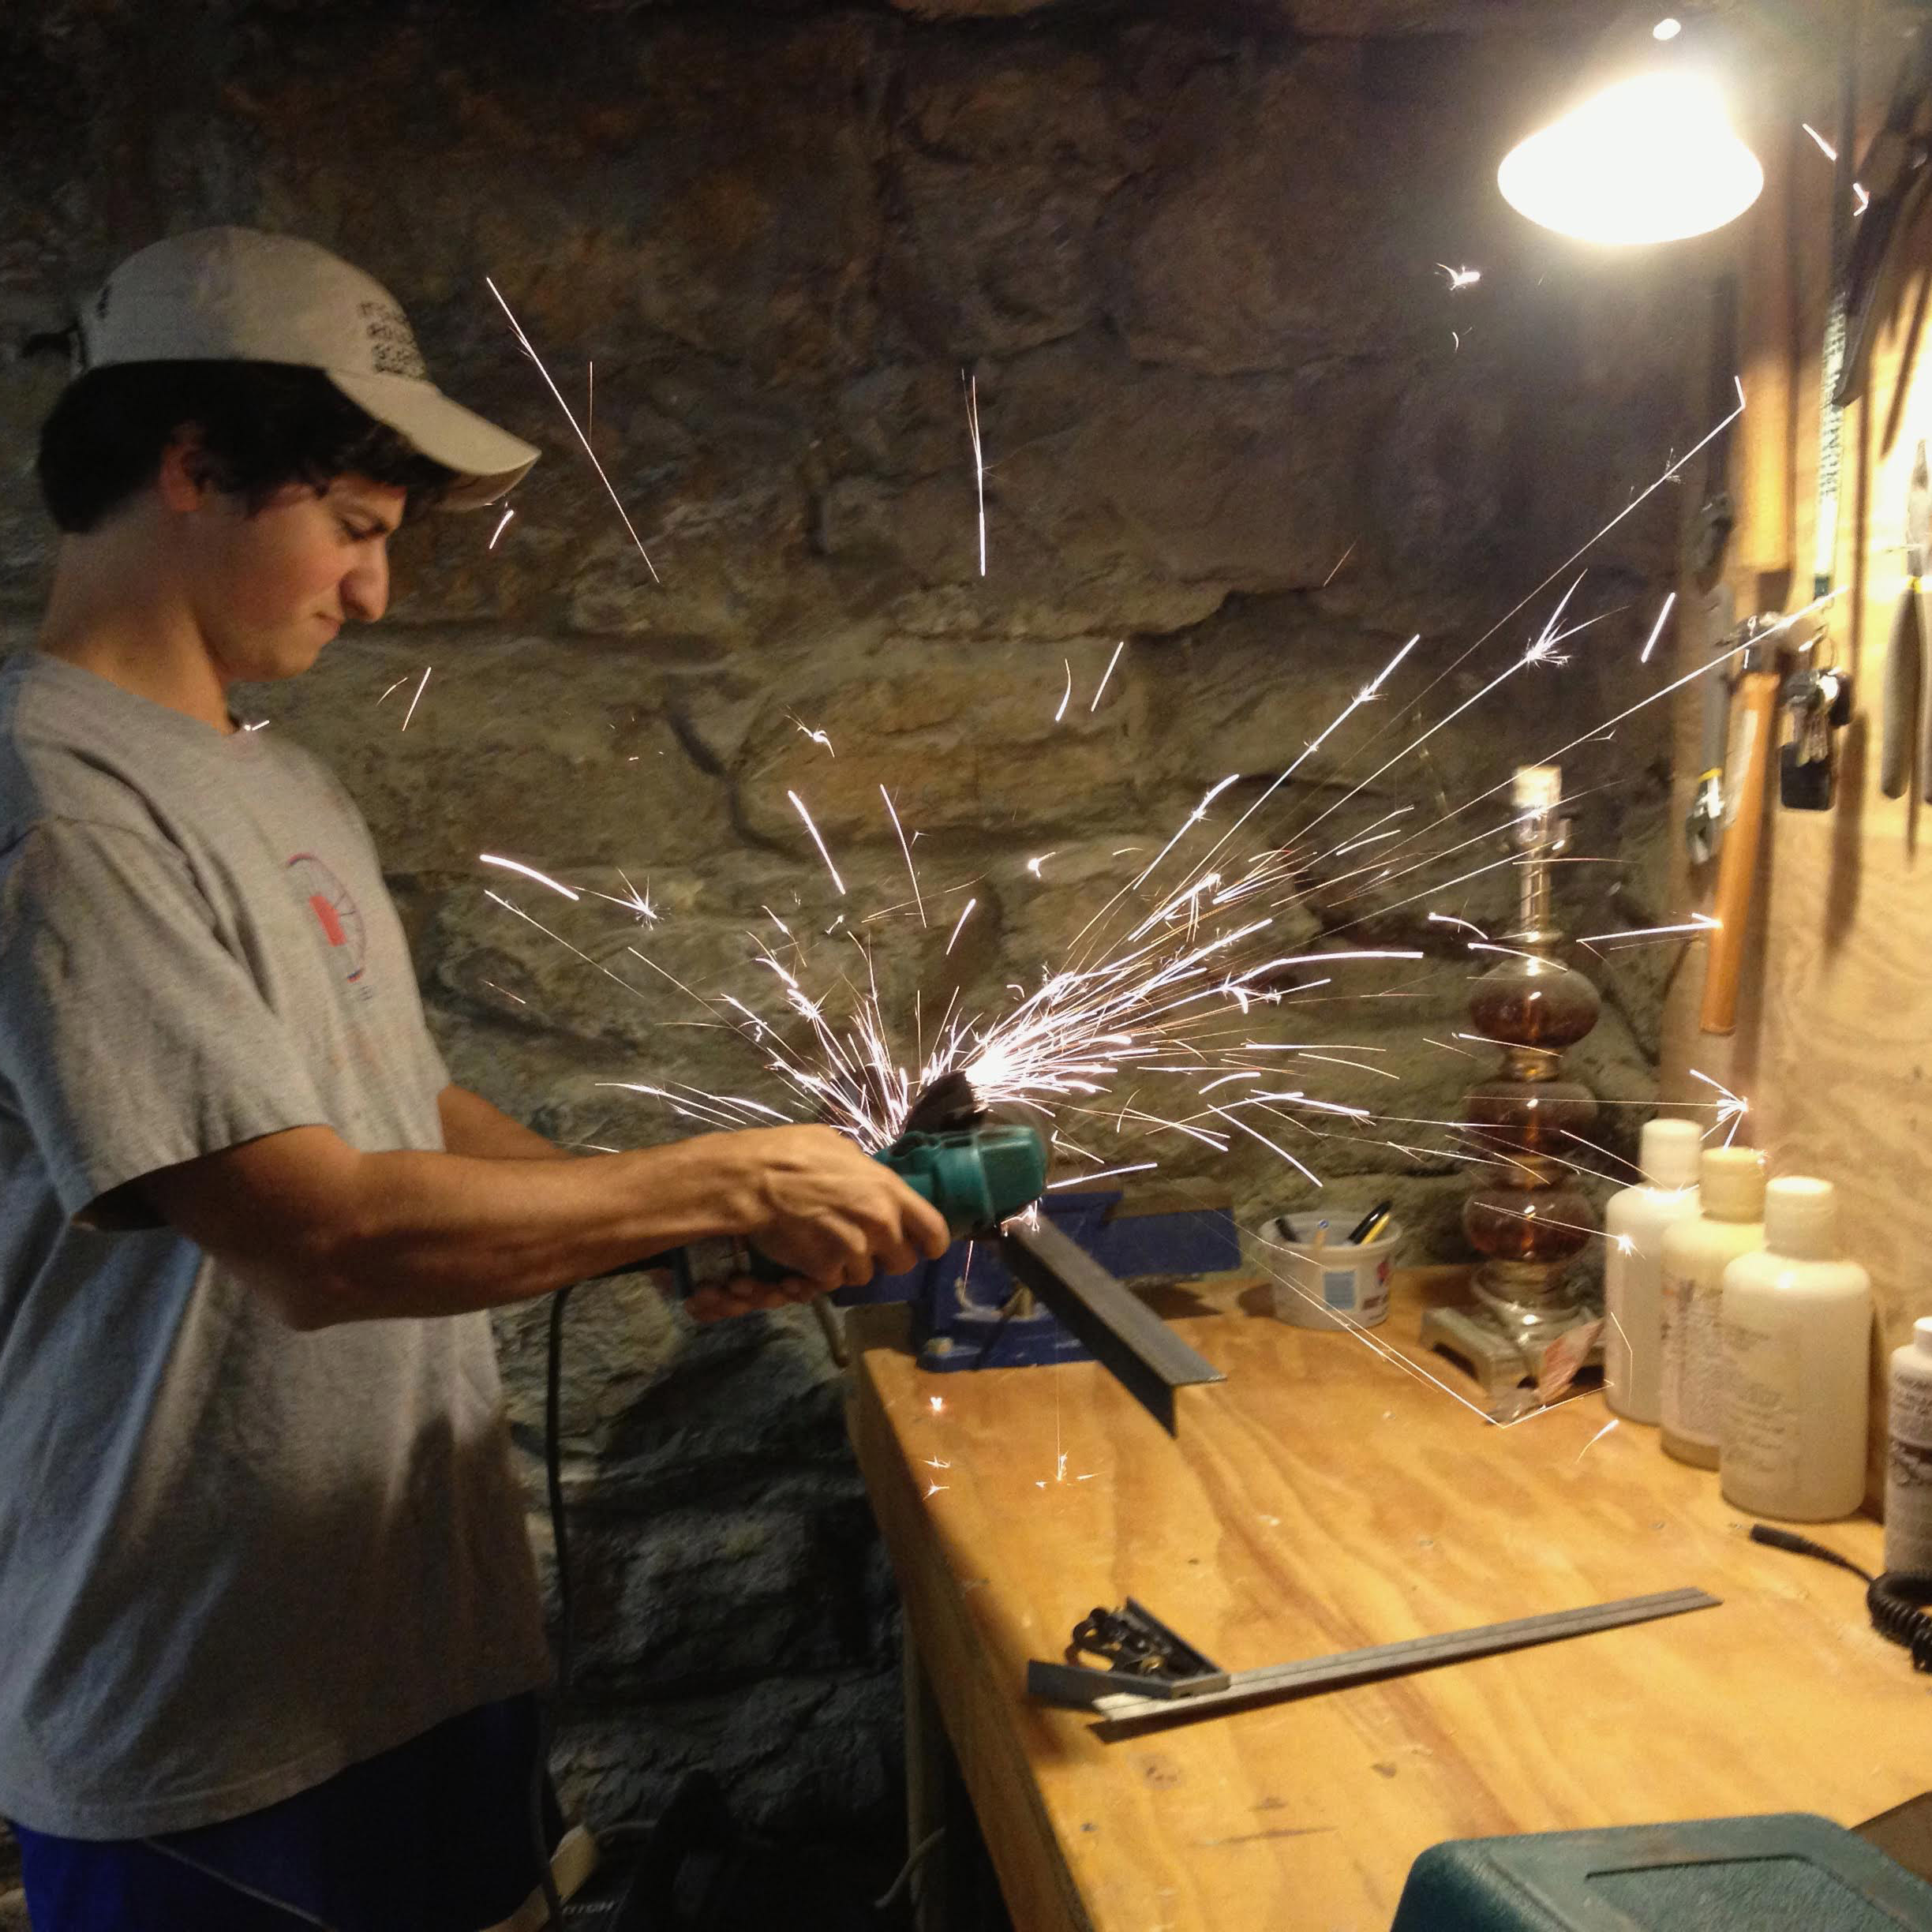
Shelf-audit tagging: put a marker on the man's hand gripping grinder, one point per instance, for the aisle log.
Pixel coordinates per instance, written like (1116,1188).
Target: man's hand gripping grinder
(976,1172)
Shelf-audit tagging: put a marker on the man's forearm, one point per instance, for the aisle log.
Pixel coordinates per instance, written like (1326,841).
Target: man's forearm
(471,1125)
(438,1235)
(334,1234)
(331,1234)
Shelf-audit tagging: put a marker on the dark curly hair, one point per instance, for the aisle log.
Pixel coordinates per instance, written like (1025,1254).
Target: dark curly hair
(262,425)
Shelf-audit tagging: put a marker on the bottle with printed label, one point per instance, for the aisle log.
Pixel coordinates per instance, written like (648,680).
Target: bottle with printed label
(1909,1463)
(1695,1251)
(1797,1342)
(1634,1219)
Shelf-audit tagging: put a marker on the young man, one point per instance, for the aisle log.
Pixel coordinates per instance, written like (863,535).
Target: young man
(269,1625)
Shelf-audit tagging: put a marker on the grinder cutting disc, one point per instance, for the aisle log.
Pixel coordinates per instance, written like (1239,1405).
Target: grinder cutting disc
(947,1106)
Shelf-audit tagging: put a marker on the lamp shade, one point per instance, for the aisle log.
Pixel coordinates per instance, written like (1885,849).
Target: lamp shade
(1649,158)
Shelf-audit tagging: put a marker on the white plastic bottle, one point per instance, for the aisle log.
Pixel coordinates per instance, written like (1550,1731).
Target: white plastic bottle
(1695,1251)
(1797,1344)
(1909,1466)
(1634,1219)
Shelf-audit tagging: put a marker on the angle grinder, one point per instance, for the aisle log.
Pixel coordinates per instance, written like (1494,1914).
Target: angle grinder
(977,1172)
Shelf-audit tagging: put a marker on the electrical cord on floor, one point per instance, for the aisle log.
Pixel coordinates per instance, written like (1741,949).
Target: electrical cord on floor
(559,1539)
(909,1870)
(1897,1599)
(676,1263)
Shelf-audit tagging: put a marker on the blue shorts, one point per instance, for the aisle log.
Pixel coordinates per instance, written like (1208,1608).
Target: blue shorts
(433,1836)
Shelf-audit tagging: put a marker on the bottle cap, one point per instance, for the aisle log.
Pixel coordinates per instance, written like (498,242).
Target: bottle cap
(1801,1219)
(1922,1333)
(1669,1154)
(1731,1181)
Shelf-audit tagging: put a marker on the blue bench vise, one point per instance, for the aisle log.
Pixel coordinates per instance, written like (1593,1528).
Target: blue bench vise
(970,1311)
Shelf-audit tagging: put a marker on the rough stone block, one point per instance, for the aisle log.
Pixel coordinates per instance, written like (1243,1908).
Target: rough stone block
(552,756)
(803,1755)
(960,739)
(690,1599)
(1364,19)
(662,1412)
(1002,171)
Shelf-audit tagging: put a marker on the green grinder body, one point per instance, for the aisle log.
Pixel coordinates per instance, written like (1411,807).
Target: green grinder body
(977,1176)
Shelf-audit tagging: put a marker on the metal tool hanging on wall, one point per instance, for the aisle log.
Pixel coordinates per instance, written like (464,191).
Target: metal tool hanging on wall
(1904,676)
(1712,611)
(1714,616)
(1814,704)
(1814,699)
(1893,175)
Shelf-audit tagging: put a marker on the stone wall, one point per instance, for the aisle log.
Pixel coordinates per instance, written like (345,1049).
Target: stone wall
(1194,262)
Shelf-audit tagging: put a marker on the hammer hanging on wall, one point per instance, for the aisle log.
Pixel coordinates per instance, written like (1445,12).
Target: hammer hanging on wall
(1744,795)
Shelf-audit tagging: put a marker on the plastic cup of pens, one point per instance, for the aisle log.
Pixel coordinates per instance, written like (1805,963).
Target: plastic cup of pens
(1321,1281)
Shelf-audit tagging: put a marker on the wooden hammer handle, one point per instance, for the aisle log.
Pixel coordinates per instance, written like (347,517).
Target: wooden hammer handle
(1737,864)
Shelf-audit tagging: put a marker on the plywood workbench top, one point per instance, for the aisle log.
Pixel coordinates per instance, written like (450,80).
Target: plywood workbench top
(1322,1499)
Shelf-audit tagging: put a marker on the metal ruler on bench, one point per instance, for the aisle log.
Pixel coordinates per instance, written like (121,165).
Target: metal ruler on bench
(1182,1697)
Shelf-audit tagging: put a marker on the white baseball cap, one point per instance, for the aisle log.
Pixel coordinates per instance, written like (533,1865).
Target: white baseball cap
(237,295)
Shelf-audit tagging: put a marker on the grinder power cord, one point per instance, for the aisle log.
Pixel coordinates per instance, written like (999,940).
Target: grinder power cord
(976,1175)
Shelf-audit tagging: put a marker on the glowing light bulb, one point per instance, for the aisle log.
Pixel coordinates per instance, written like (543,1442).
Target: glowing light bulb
(1667,29)
(1649,159)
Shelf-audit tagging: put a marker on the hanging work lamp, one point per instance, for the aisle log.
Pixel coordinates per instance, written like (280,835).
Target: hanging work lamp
(1647,154)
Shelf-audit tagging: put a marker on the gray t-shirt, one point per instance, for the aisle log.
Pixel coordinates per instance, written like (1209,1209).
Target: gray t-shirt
(234,1559)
